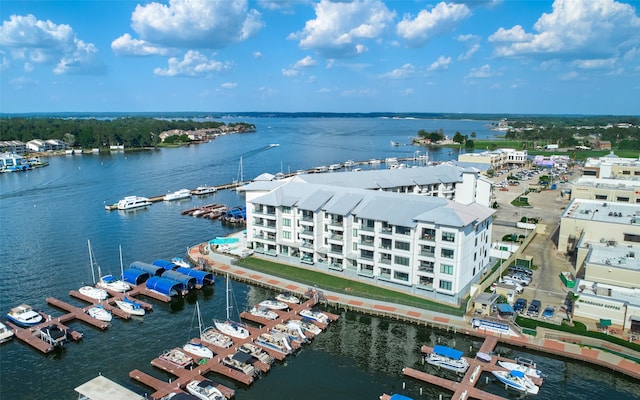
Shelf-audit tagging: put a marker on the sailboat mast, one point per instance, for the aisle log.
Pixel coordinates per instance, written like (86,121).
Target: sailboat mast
(199,318)
(228,305)
(121,267)
(93,275)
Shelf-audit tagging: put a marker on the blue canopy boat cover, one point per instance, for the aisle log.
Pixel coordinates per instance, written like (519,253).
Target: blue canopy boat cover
(189,282)
(400,397)
(167,265)
(165,286)
(135,276)
(448,352)
(202,277)
(150,268)
(516,373)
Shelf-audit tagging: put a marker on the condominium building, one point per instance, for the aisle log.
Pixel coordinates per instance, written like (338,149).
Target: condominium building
(497,159)
(426,245)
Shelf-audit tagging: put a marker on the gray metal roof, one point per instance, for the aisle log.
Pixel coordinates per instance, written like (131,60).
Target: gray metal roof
(101,388)
(342,203)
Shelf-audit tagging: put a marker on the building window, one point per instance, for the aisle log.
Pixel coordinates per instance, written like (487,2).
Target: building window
(402,245)
(447,253)
(446,285)
(601,197)
(401,260)
(286,235)
(286,210)
(629,237)
(403,230)
(401,276)
(286,221)
(446,269)
(622,199)
(448,237)
(626,172)
(428,234)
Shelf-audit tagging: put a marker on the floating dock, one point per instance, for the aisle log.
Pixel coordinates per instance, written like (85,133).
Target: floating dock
(30,335)
(215,364)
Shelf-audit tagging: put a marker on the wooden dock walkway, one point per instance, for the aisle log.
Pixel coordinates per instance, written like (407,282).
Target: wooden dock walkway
(30,335)
(466,389)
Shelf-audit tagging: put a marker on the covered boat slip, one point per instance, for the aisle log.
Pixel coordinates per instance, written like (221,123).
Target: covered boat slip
(135,276)
(165,286)
(202,277)
(153,270)
(101,388)
(448,352)
(189,282)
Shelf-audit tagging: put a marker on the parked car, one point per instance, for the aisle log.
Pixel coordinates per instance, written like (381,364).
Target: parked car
(534,308)
(513,269)
(522,279)
(519,287)
(548,312)
(520,305)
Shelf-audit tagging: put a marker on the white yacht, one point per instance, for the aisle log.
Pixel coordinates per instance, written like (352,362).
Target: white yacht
(306,326)
(204,189)
(24,315)
(177,195)
(277,342)
(227,326)
(198,349)
(288,298)
(315,315)
(112,283)
(94,292)
(273,304)
(528,367)
(130,307)
(448,358)
(100,313)
(132,202)
(517,380)
(204,390)
(264,312)
(6,334)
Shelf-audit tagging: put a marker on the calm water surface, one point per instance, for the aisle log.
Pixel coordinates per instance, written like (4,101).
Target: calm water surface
(47,216)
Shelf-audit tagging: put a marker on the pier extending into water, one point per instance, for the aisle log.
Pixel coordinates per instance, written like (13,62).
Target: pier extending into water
(215,364)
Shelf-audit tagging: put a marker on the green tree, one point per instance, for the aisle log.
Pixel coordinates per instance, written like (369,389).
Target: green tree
(469,145)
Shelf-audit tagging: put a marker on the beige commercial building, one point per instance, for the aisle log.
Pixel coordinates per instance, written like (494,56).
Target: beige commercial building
(612,166)
(496,159)
(607,189)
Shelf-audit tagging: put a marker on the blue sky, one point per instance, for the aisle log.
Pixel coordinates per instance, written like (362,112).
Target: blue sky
(480,56)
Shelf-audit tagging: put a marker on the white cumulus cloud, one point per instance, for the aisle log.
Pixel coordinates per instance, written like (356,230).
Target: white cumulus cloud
(32,41)
(592,29)
(441,63)
(427,24)
(306,62)
(200,24)
(194,64)
(404,72)
(481,73)
(341,28)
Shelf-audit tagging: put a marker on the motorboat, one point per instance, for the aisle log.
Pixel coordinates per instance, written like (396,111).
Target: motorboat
(100,313)
(24,316)
(306,325)
(293,332)
(273,304)
(205,390)
(240,361)
(130,306)
(349,163)
(133,202)
(94,292)
(198,349)
(257,352)
(322,168)
(315,315)
(517,380)
(177,195)
(180,262)
(448,358)
(229,327)
(205,189)
(177,357)
(6,334)
(288,298)
(528,367)
(214,337)
(53,334)
(110,282)
(334,167)
(263,312)
(277,342)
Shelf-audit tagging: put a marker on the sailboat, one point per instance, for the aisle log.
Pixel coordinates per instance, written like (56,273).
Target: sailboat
(110,282)
(126,304)
(92,291)
(198,348)
(240,178)
(212,335)
(228,326)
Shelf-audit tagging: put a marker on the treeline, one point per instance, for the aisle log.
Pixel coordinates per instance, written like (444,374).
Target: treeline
(570,136)
(90,132)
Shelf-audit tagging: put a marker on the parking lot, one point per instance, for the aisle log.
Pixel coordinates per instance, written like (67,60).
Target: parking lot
(546,206)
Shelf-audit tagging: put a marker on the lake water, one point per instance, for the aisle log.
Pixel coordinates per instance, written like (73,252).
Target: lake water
(47,215)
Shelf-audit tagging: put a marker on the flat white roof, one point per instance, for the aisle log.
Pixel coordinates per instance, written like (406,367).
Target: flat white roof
(603,211)
(101,388)
(624,257)
(617,293)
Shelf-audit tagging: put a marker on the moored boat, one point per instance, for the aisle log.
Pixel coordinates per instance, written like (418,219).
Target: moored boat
(177,357)
(53,334)
(288,298)
(94,292)
(277,342)
(204,189)
(198,349)
(100,313)
(112,283)
(180,262)
(227,326)
(263,312)
(204,390)
(292,331)
(130,307)
(240,361)
(6,334)
(24,316)
(273,304)
(257,352)
(214,337)
(177,195)
(306,325)
(315,315)
(517,380)
(133,202)
(448,358)
(528,367)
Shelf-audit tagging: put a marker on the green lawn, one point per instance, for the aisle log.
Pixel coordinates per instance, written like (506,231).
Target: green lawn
(337,284)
